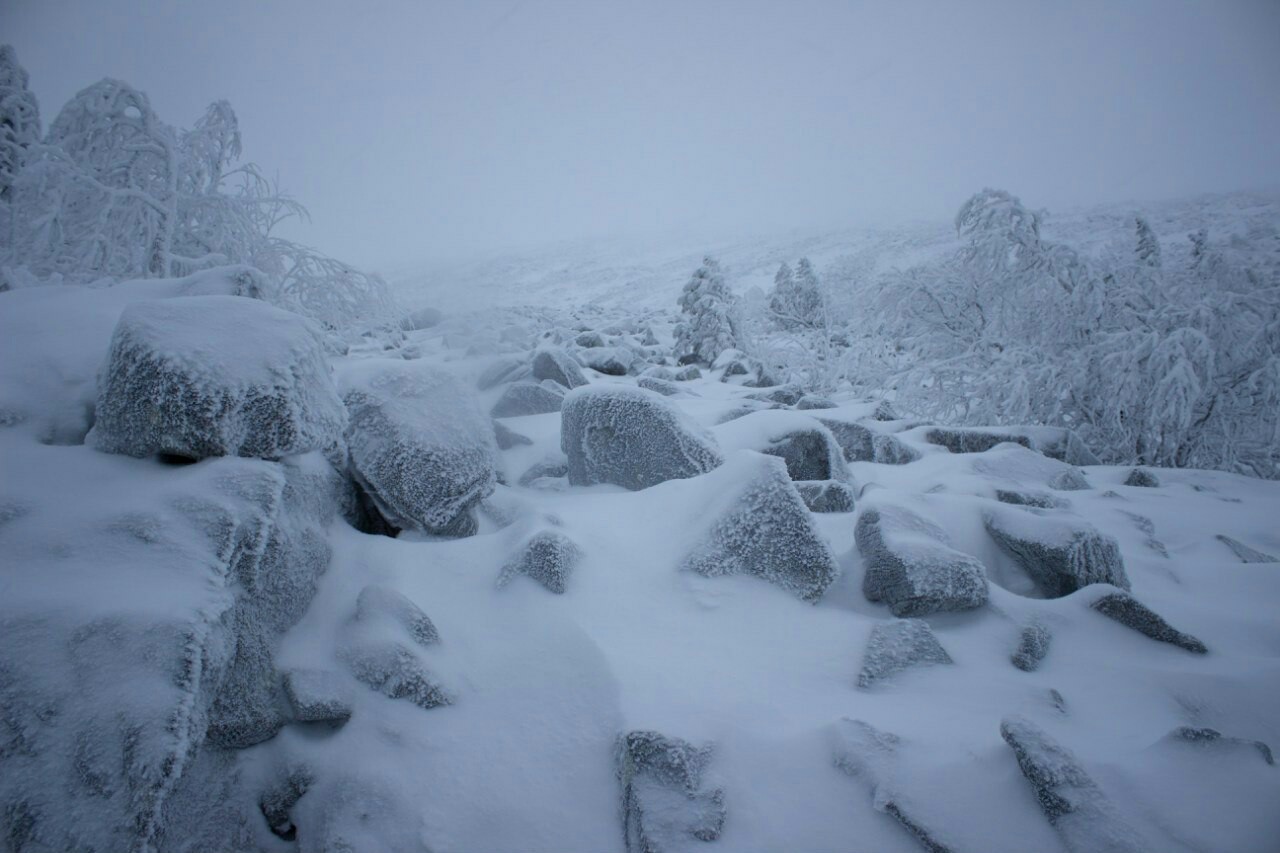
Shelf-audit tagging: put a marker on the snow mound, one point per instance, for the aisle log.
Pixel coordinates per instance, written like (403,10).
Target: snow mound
(1059,553)
(631,438)
(203,376)
(761,527)
(912,568)
(420,446)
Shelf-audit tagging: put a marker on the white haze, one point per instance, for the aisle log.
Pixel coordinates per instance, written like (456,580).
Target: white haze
(418,131)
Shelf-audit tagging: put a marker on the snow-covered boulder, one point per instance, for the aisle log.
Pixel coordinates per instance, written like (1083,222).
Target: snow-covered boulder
(1033,645)
(420,446)
(1074,804)
(783,395)
(860,443)
(666,802)
(899,645)
(1054,442)
(1131,613)
(807,447)
(203,376)
(558,366)
(911,566)
(972,439)
(528,398)
(317,696)
(1059,553)
(631,438)
(395,671)
(377,603)
(548,557)
(1142,478)
(611,361)
(508,369)
(1206,738)
(826,495)
(813,401)
(588,340)
(761,527)
(688,373)
(658,386)
(508,438)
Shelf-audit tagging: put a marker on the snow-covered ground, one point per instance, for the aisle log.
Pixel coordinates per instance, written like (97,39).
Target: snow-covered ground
(150,609)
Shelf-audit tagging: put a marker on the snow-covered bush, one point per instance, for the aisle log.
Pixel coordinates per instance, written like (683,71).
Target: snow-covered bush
(114,192)
(797,299)
(708,326)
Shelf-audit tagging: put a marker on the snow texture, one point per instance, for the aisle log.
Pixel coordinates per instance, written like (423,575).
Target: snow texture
(632,438)
(203,376)
(527,398)
(1059,553)
(666,805)
(1131,613)
(760,526)
(911,567)
(558,366)
(420,446)
(897,646)
(1068,796)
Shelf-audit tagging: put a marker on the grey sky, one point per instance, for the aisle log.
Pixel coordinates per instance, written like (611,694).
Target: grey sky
(415,129)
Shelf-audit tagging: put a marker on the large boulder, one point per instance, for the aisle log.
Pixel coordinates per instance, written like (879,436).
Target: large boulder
(631,438)
(1059,553)
(807,447)
(203,376)
(420,447)
(899,645)
(557,365)
(528,398)
(665,800)
(760,526)
(911,566)
(1073,803)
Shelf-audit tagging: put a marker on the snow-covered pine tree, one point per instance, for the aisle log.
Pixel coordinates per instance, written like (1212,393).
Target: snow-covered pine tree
(1148,248)
(784,281)
(797,300)
(708,326)
(19,119)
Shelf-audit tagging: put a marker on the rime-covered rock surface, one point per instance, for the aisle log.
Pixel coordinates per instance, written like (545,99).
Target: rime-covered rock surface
(527,398)
(548,557)
(1073,803)
(758,525)
(631,438)
(1060,553)
(1033,645)
(419,444)
(203,376)
(611,361)
(860,443)
(911,567)
(807,447)
(552,363)
(666,804)
(899,645)
(1131,613)
(827,495)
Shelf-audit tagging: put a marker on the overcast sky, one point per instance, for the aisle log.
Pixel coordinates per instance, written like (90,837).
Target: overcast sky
(415,130)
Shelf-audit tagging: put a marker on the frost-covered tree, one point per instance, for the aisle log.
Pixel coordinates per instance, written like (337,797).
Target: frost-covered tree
(19,119)
(708,326)
(797,299)
(113,192)
(1148,248)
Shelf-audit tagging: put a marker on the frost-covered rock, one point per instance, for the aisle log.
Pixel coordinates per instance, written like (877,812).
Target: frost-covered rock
(554,467)
(502,370)
(1039,500)
(1033,645)
(1131,613)
(1054,442)
(1059,553)
(658,386)
(611,361)
(203,376)
(558,366)
(807,447)
(277,801)
(813,401)
(826,495)
(688,373)
(420,446)
(860,443)
(631,438)
(1069,480)
(548,557)
(508,438)
(1212,739)
(872,755)
(760,526)
(377,603)
(1244,553)
(666,803)
(899,645)
(1074,804)
(317,695)
(588,340)
(527,398)
(395,671)
(972,440)
(1143,478)
(912,568)
(784,395)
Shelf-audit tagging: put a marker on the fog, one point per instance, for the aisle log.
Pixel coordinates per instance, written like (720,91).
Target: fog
(415,131)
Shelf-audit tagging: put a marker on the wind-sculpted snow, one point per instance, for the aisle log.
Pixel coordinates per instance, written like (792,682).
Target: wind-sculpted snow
(419,444)
(1060,553)
(760,526)
(911,566)
(666,806)
(631,438)
(205,376)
